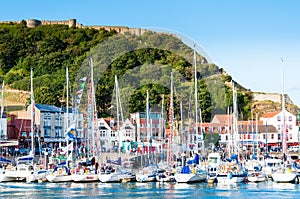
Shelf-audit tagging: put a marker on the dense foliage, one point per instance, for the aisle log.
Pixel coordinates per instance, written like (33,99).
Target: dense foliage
(146,63)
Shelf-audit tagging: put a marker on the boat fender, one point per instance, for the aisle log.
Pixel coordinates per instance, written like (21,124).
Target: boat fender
(230,175)
(194,171)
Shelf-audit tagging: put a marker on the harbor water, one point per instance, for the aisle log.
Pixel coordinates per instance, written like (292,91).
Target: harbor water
(266,189)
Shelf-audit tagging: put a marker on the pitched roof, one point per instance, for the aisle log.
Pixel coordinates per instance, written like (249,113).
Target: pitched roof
(48,108)
(220,118)
(270,114)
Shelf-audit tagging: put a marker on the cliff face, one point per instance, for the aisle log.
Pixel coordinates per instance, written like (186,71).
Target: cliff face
(270,102)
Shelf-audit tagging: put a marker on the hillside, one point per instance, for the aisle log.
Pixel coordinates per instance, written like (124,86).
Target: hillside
(143,61)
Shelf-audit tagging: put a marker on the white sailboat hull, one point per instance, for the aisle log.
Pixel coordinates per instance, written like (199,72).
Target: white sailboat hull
(260,178)
(189,177)
(111,177)
(284,177)
(59,178)
(227,179)
(145,178)
(85,177)
(5,178)
(37,176)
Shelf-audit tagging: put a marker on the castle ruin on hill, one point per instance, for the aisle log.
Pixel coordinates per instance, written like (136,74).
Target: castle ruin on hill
(32,23)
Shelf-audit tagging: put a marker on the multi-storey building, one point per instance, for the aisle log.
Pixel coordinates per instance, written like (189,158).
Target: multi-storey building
(154,127)
(51,123)
(110,135)
(285,125)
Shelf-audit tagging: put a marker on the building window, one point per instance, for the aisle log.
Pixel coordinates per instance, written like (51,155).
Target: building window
(58,121)
(47,133)
(226,137)
(264,136)
(290,127)
(272,136)
(141,125)
(290,118)
(113,134)
(102,133)
(47,121)
(79,124)
(291,136)
(278,118)
(58,133)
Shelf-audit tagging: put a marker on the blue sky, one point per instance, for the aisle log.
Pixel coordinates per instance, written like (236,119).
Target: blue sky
(246,38)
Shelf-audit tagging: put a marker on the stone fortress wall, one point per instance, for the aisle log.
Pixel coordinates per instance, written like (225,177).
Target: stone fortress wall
(275,97)
(32,23)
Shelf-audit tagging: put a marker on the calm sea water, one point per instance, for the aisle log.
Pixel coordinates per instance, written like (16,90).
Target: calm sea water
(147,190)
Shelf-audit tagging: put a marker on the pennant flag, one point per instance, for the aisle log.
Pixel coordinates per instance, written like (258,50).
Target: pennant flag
(78,96)
(77,101)
(80,91)
(82,85)
(71,131)
(83,79)
(67,148)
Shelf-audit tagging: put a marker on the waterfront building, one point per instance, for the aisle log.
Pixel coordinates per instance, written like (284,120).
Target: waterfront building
(290,130)
(144,131)
(50,123)
(110,135)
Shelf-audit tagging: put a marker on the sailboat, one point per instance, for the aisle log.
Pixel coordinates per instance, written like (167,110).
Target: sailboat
(24,165)
(286,173)
(232,171)
(114,173)
(191,171)
(150,171)
(61,172)
(86,171)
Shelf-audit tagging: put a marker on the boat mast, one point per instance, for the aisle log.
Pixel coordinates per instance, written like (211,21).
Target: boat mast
(147,121)
(235,118)
(119,109)
(283,113)
(162,123)
(252,129)
(67,105)
(2,107)
(196,98)
(267,139)
(256,130)
(229,133)
(32,111)
(93,104)
(181,126)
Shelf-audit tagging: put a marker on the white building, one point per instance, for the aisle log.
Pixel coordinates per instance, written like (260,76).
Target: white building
(108,132)
(106,135)
(290,121)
